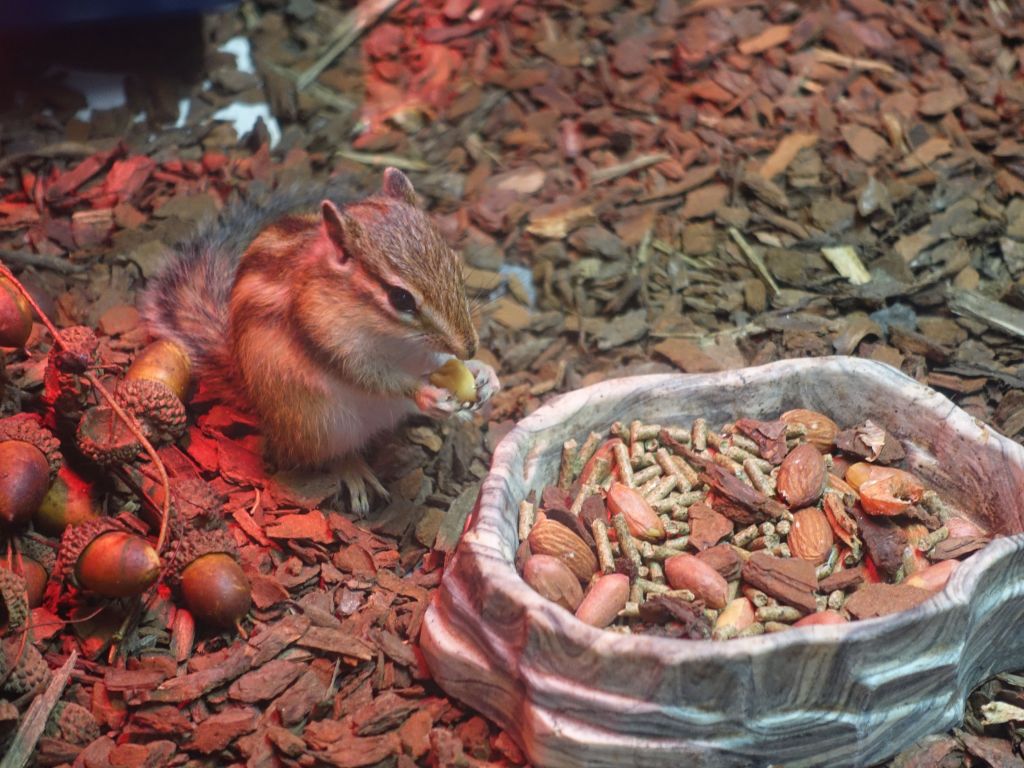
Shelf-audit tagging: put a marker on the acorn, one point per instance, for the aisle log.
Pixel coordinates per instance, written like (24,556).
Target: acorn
(29,460)
(71,500)
(103,557)
(27,429)
(205,572)
(15,316)
(165,362)
(28,670)
(160,412)
(37,563)
(13,605)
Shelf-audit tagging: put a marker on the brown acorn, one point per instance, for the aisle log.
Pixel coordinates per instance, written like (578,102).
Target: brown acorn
(71,500)
(102,557)
(24,478)
(204,570)
(15,316)
(29,460)
(163,361)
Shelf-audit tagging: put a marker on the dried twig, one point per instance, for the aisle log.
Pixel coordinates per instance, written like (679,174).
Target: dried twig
(621,169)
(41,260)
(384,160)
(321,93)
(993,313)
(23,745)
(60,149)
(755,259)
(358,20)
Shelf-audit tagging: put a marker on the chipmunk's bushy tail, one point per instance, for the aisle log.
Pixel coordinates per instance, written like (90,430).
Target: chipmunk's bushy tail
(188,301)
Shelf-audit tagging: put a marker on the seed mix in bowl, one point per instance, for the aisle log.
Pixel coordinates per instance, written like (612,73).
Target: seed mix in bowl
(759,527)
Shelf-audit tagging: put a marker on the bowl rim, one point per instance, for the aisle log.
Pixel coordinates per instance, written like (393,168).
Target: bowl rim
(499,572)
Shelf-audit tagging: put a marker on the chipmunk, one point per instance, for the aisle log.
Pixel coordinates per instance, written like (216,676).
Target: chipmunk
(327,323)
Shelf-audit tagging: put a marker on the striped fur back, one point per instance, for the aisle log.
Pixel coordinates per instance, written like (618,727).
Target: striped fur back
(188,300)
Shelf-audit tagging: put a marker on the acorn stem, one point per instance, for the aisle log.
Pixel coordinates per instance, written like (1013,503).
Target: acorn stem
(131,618)
(128,419)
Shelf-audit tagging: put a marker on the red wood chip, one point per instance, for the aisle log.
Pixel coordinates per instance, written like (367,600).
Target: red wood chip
(310,525)
(790,581)
(707,527)
(873,600)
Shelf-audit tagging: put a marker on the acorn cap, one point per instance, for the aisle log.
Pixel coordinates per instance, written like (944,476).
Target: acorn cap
(29,669)
(38,551)
(78,352)
(72,723)
(104,438)
(13,605)
(192,546)
(27,429)
(157,408)
(74,541)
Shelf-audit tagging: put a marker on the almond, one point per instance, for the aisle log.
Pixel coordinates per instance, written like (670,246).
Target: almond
(604,600)
(642,520)
(819,430)
(810,535)
(802,476)
(550,538)
(551,578)
(684,571)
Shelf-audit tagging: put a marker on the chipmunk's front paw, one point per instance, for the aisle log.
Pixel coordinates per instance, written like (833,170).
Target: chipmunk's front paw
(355,474)
(487,382)
(436,402)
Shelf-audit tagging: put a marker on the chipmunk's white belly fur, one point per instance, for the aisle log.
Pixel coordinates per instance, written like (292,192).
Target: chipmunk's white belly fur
(355,416)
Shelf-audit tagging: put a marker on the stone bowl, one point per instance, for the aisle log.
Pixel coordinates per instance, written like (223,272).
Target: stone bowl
(841,695)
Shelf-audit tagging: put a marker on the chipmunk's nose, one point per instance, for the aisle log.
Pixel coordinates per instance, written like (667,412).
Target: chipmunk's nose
(469,346)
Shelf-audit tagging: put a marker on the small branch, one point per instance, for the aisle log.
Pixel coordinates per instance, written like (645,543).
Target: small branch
(382,160)
(41,260)
(994,314)
(316,91)
(60,149)
(23,746)
(602,175)
(755,259)
(358,20)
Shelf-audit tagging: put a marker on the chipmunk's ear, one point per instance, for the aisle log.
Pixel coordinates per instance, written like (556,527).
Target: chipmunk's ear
(397,185)
(343,229)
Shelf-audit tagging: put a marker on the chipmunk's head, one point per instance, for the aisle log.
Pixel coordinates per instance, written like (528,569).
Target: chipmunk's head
(398,261)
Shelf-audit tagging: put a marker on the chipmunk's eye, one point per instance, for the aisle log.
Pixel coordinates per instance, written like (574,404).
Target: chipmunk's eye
(401,299)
